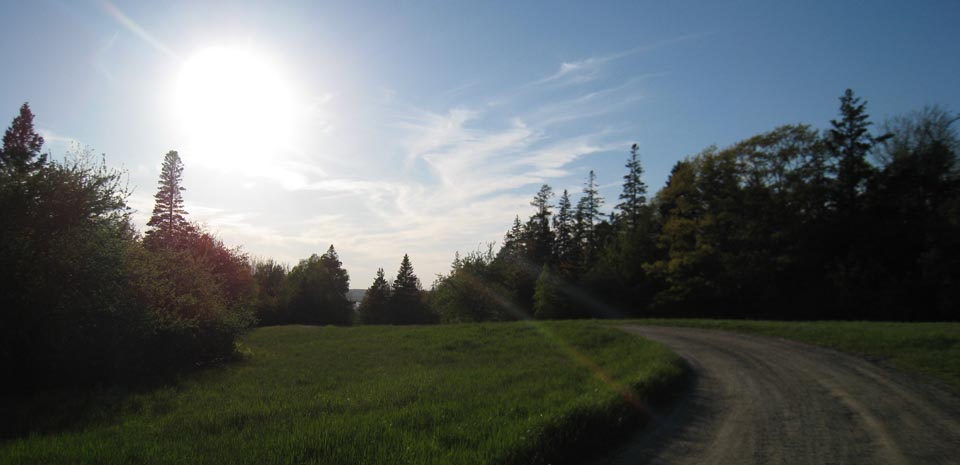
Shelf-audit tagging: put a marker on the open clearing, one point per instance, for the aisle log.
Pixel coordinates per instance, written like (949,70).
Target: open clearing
(461,394)
(772,401)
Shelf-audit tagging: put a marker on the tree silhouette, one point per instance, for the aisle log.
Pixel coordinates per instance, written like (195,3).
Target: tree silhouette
(375,307)
(564,247)
(319,288)
(586,217)
(634,194)
(849,141)
(405,301)
(22,144)
(168,225)
(538,228)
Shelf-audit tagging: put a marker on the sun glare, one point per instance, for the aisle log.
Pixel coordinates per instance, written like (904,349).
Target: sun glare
(234,106)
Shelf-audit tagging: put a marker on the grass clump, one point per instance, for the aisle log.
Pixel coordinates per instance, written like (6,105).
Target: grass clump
(463,394)
(930,349)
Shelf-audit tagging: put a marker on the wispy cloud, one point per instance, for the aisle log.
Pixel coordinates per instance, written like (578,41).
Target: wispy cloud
(431,181)
(136,29)
(587,69)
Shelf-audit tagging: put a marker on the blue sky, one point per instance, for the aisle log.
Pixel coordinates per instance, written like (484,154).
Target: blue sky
(424,127)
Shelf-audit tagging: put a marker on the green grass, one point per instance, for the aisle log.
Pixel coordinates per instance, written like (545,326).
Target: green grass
(463,394)
(929,349)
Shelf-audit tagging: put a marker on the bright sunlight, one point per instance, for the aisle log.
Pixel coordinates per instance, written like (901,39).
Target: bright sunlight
(233,102)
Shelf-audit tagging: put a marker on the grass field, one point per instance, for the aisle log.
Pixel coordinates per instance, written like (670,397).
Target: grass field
(465,394)
(930,349)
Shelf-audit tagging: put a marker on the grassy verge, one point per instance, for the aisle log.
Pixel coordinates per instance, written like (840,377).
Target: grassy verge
(930,349)
(465,394)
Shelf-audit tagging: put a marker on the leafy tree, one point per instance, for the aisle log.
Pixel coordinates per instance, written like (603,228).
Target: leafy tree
(375,307)
(319,288)
(22,145)
(406,303)
(633,198)
(473,291)
(272,295)
(168,226)
(550,300)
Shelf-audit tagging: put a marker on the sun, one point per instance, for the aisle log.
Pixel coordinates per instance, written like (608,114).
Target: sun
(234,106)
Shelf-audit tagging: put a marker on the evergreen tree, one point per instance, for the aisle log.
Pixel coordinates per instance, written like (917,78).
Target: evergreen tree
(339,308)
(375,307)
(319,291)
(849,141)
(22,145)
(586,217)
(564,247)
(168,225)
(514,241)
(405,302)
(538,228)
(634,195)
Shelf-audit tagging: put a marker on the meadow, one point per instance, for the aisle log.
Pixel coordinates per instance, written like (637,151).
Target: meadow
(931,350)
(515,393)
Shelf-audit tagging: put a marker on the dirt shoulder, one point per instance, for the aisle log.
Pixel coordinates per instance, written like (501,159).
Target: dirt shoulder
(765,400)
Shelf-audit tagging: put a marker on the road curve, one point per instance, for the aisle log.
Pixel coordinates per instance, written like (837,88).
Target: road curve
(762,400)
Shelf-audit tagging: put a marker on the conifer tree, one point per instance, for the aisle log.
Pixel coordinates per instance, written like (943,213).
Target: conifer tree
(538,228)
(514,241)
(168,225)
(405,302)
(586,217)
(634,195)
(22,144)
(564,247)
(375,307)
(849,141)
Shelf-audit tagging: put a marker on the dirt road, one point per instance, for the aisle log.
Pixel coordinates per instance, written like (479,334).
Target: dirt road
(759,400)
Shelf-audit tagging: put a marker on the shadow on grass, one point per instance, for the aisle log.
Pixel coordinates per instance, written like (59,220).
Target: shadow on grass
(62,409)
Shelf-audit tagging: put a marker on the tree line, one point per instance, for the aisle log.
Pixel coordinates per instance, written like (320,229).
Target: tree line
(794,223)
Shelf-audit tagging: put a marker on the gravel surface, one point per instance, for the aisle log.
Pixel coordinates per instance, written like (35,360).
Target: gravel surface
(762,400)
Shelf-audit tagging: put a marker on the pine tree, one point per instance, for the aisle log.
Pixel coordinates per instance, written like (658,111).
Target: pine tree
(849,142)
(514,241)
(339,309)
(22,145)
(538,228)
(634,195)
(564,247)
(375,307)
(168,225)
(405,302)
(586,217)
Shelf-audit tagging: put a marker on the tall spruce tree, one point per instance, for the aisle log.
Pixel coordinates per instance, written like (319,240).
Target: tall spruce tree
(849,141)
(634,195)
(375,307)
(586,217)
(168,226)
(538,228)
(564,246)
(405,302)
(22,145)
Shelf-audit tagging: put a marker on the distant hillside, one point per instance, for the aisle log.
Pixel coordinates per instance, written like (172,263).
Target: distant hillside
(356,295)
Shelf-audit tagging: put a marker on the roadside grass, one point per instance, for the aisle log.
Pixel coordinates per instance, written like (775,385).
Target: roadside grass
(515,393)
(929,349)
